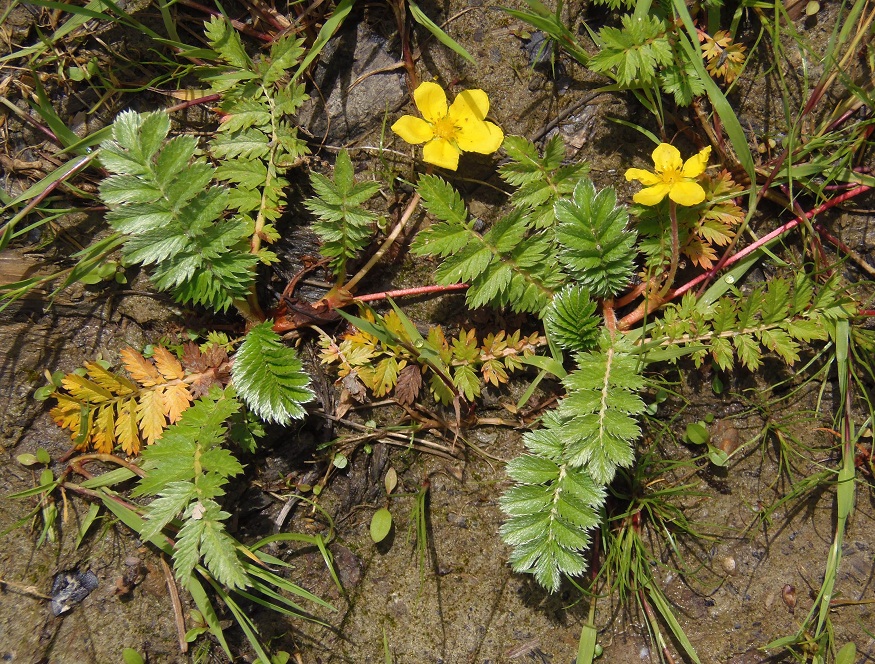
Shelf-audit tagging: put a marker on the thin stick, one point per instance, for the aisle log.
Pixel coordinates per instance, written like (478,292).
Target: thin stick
(675,250)
(408,212)
(177,605)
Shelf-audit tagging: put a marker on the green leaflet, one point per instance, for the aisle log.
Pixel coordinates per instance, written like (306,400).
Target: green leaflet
(159,198)
(187,468)
(776,315)
(343,225)
(540,181)
(597,248)
(632,54)
(571,321)
(255,143)
(506,266)
(268,376)
(559,485)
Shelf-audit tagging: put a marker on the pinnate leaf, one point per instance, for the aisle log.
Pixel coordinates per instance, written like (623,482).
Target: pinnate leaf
(268,376)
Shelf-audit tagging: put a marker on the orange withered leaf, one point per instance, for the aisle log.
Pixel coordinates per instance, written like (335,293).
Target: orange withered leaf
(168,365)
(105,410)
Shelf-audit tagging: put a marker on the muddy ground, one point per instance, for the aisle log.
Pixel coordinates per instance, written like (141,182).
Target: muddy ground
(464,605)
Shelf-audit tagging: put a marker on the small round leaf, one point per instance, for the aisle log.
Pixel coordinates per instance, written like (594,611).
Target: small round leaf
(391,480)
(848,654)
(381,524)
(697,434)
(717,456)
(27,459)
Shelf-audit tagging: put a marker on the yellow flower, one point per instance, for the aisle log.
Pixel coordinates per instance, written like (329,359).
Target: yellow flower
(673,177)
(449,131)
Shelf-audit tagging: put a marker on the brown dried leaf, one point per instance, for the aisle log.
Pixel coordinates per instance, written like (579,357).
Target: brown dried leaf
(354,386)
(409,384)
(343,404)
(202,382)
(193,359)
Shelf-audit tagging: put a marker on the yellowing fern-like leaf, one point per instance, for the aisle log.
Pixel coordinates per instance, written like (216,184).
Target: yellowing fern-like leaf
(168,365)
(126,430)
(104,429)
(140,369)
(150,415)
(176,399)
(122,412)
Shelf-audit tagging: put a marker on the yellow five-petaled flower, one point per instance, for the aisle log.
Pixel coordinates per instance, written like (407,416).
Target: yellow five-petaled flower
(448,131)
(673,177)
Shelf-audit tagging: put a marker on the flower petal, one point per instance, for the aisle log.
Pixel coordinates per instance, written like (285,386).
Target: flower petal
(482,137)
(413,130)
(469,104)
(652,195)
(667,158)
(441,152)
(686,193)
(431,100)
(644,177)
(696,165)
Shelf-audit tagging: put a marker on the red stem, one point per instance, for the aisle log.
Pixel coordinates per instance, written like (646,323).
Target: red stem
(411,292)
(638,314)
(790,225)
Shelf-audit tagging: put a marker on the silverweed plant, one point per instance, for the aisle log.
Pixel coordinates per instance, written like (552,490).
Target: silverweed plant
(599,278)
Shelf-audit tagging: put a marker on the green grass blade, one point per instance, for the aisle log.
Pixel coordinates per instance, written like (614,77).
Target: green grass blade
(589,636)
(325,33)
(135,522)
(108,479)
(93,511)
(423,20)
(721,105)
(242,620)
(668,616)
(205,606)
(51,180)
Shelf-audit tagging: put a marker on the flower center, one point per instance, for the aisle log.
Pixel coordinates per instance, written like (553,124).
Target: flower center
(444,128)
(672,176)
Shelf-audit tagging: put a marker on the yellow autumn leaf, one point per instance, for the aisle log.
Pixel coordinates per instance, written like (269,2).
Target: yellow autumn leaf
(126,430)
(176,400)
(140,369)
(67,414)
(150,415)
(168,365)
(85,390)
(115,384)
(103,432)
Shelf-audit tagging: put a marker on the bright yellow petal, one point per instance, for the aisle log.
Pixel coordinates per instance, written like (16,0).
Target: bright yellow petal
(644,177)
(686,193)
(413,130)
(651,195)
(482,137)
(469,104)
(441,152)
(696,165)
(431,100)
(667,158)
